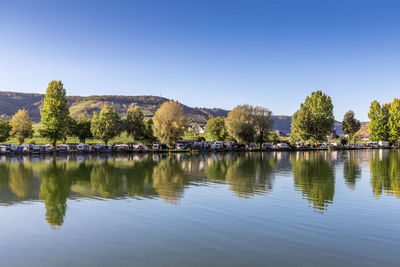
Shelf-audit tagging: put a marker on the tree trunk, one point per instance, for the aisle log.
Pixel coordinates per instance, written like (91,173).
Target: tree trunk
(54,146)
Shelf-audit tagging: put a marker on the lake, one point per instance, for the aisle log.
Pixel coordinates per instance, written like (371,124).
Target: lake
(329,208)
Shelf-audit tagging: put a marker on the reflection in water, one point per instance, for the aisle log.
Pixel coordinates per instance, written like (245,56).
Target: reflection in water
(55,180)
(54,191)
(247,174)
(169,179)
(314,176)
(351,169)
(385,172)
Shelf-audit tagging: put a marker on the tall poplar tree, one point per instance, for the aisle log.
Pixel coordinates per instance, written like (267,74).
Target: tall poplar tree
(55,113)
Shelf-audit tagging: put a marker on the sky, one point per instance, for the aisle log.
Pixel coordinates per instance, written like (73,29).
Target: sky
(271,53)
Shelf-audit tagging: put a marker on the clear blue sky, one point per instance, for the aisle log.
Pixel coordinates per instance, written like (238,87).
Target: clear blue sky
(271,53)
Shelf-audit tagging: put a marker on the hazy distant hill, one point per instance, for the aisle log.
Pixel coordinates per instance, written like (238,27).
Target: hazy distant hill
(80,106)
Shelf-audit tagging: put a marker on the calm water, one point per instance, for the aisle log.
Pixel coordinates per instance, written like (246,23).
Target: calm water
(280,209)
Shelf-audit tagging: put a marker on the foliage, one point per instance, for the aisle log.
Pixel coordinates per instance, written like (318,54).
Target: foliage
(262,122)
(314,176)
(5,129)
(378,126)
(169,122)
(148,136)
(82,129)
(350,124)
(314,121)
(215,127)
(394,121)
(21,124)
(106,125)
(55,113)
(135,125)
(240,124)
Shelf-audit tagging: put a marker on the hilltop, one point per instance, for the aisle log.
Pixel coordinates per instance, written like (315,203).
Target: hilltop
(81,106)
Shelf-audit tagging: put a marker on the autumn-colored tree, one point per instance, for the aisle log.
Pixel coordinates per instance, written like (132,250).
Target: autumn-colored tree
(169,122)
(21,124)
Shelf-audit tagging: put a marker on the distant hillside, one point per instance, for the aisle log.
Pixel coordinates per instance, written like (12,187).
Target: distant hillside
(80,106)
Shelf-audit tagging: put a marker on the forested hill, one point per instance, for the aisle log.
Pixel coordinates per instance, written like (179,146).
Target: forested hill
(80,106)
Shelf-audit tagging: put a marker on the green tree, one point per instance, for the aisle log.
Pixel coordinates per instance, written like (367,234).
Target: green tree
(263,123)
(55,113)
(314,120)
(169,122)
(5,129)
(82,129)
(350,124)
(394,121)
(215,127)
(149,137)
(240,124)
(378,126)
(21,124)
(106,125)
(135,125)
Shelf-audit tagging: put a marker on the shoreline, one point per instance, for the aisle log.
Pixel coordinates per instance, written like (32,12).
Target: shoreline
(187,151)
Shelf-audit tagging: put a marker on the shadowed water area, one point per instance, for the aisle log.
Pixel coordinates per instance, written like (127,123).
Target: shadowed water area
(325,208)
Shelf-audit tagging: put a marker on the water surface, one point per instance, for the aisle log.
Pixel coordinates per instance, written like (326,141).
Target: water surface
(244,209)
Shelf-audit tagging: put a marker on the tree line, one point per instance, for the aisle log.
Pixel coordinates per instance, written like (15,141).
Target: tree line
(312,122)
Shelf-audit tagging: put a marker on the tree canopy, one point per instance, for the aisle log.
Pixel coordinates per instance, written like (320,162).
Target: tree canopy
(106,125)
(21,124)
(240,124)
(378,126)
(5,129)
(314,121)
(350,124)
(81,128)
(216,128)
(169,122)
(55,113)
(135,125)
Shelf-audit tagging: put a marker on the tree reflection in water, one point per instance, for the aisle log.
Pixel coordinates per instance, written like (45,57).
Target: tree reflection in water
(385,172)
(247,174)
(55,180)
(314,176)
(351,169)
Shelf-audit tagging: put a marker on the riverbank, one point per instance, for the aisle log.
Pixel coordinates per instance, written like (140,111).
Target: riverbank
(188,151)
